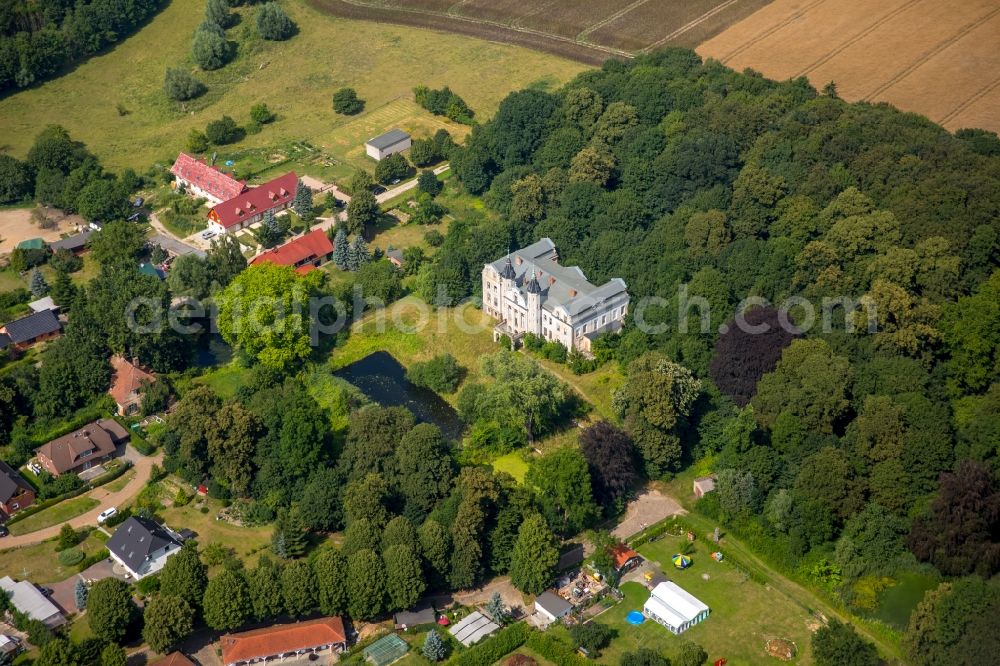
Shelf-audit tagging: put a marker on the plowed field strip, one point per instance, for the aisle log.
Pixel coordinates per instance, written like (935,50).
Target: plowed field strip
(770,31)
(692,24)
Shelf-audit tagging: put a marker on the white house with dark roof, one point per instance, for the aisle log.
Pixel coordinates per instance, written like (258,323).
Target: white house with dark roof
(142,546)
(383,145)
(529,291)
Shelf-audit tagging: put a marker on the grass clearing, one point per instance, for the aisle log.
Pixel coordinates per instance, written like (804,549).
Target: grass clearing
(40,562)
(513,463)
(225,380)
(247,542)
(120,483)
(295,78)
(54,515)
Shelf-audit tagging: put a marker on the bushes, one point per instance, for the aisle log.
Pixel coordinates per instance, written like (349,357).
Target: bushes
(434,238)
(180,86)
(346,102)
(555,651)
(92,559)
(392,168)
(260,114)
(273,24)
(223,131)
(493,649)
(441,374)
(444,103)
(209,48)
(71,557)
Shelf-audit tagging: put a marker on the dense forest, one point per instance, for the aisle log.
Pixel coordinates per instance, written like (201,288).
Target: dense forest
(848,453)
(38,39)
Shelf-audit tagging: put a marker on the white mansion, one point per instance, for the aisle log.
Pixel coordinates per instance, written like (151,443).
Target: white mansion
(529,292)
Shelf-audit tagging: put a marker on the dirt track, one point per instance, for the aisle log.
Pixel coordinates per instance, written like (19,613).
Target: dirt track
(590,55)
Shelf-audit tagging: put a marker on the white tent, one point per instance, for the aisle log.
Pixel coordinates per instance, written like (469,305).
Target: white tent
(674,608)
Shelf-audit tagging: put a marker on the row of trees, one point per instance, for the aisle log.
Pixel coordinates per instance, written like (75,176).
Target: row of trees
(39,40)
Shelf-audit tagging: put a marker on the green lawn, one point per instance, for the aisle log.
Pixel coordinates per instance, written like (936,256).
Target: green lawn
(225,380)
(295,78)
(513,463)
(40,562)
(247,542)
(54,515)
(743,616)
(120,483)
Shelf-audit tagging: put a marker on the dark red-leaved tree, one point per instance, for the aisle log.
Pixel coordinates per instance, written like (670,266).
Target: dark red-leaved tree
(748,350)
(961,534)
(612,461)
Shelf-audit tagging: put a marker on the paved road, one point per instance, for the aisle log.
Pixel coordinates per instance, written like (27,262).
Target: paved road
(174,246)
(142,466)
(407,186)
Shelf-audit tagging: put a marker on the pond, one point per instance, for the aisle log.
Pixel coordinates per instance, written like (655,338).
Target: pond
(383,379)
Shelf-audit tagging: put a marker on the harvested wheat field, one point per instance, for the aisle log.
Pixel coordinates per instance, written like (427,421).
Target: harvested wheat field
(938,59)
(587,30)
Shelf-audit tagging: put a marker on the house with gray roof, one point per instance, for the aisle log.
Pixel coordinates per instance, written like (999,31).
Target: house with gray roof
(28,599)
(142,546)
(76,243)
(383,145)
(529,291)
(34,328)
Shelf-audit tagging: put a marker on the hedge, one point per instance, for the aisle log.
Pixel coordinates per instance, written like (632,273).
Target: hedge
(493,649)
(97,481)
(71,557)
(555,650)
(91,560)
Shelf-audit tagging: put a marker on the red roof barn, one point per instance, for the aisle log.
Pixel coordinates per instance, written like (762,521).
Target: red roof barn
(302,253)
(204,180)
(249,207)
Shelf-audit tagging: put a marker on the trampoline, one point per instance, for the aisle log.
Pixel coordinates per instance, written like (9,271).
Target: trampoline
(635,617)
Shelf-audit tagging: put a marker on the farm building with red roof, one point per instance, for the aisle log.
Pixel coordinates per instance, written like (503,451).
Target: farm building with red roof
(205,181)
(303,253)
(249,207)
(280,641)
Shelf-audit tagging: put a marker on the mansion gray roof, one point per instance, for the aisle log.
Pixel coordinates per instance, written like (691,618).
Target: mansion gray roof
(537,267)
(390,138)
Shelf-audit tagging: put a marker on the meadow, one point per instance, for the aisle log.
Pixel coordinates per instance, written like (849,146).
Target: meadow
(295,79)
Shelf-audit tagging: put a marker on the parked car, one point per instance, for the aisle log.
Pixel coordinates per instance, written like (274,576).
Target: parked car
(35,468)
(378,189)
(4,531)
(207,234)
(106,515)
(138,202)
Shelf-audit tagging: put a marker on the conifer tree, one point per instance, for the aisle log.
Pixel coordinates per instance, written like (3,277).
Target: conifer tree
(80,593)
(497,610)
(289,538)
(434,648)
(361,253)
(303,203)
(39,287)
(340,248)
(535,556)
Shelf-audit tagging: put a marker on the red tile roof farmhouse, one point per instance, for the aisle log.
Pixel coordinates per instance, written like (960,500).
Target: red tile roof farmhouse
(279,640)
(250,206)
(208,179)
(302,252)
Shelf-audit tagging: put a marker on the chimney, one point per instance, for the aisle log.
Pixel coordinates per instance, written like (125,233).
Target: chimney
(572,293)
(552,280)
(519,260)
